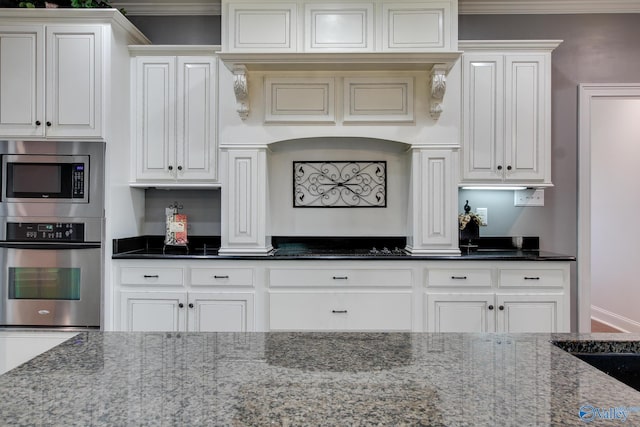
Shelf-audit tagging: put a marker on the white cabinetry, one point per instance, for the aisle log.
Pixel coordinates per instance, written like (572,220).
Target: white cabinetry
(505,296)
(330,296)
(174,103)
(506,112)
(184,297)
(56,71)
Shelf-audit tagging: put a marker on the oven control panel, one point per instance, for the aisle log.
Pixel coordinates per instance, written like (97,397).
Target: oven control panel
(45,232)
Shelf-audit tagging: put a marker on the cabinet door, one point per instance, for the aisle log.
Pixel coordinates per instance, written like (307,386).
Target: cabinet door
(525,117)
(530,313)
(460,312)
(21,81)
(196,124)
(74,81)
(220,312)
(155,118)
(152,311)
(483,113)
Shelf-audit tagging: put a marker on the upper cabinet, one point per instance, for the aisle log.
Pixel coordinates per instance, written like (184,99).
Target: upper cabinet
(174,105)
(506,112)
(52,72)
(357,26)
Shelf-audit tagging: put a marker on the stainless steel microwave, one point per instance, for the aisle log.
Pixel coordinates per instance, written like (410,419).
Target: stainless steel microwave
(45,178)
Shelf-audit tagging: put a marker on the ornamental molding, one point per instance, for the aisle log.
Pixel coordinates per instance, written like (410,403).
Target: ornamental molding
(465,7)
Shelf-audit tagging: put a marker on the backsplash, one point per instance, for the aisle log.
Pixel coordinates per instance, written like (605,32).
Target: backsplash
(202,208)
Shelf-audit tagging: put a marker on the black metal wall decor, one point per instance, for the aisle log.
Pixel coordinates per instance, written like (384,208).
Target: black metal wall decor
(340,184)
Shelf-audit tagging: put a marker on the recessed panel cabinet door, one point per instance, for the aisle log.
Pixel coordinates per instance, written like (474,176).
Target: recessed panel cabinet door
(155,118)
(74,81)
(196,92)
(220,312)
(153,311)
(530,313)
(21,81)
(460,313)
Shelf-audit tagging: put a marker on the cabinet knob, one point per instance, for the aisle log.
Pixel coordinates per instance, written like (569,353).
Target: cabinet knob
(501,307)
(49,124)
(179,168)
(499,167)
(490,307)
(181,305)
(509,168)
(170,167)
(190,305)
(38,123)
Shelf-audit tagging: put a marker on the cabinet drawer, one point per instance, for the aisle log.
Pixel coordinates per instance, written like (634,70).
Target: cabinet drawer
(340,311)
(532,278)
(340,277)
(451,277)
(221,277)
(147,276)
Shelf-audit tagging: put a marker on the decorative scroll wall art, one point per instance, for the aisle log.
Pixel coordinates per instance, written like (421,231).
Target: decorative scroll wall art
(337,184)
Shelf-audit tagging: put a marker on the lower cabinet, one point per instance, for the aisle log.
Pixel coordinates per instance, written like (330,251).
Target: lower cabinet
(507,296)
(179,311)
(341,311)
(494,313)
(177,296)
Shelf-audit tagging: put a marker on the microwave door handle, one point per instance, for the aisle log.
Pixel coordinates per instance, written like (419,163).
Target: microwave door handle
(49,245)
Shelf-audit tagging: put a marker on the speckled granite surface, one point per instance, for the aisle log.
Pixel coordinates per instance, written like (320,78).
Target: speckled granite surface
(307,379)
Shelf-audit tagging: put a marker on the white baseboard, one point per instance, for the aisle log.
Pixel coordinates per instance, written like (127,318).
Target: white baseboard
(614,320)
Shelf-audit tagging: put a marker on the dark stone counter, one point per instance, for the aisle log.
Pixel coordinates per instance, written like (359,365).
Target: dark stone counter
(257,379)
(332,248)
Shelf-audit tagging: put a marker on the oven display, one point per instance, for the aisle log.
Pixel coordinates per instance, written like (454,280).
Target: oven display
(45,232)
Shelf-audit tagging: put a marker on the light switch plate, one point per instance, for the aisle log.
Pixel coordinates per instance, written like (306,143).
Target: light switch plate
(483,213)
(528,197)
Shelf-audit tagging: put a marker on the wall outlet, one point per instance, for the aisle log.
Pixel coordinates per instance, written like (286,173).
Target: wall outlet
(483,214)
(528,197)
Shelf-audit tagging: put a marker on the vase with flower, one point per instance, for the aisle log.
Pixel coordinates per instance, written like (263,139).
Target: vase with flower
(469,228)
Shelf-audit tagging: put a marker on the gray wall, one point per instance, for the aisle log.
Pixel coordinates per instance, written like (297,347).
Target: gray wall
(179,29)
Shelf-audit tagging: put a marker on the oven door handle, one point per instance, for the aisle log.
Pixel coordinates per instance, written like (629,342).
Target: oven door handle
(50,246)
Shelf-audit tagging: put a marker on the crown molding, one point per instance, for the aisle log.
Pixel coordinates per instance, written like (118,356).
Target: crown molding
(168,7)
(546,7)
(465,7)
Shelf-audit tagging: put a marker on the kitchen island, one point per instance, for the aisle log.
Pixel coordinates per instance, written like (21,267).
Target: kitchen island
(198,379)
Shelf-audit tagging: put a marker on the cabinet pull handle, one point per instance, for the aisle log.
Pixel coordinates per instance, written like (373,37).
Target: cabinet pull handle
(150,276)
(190,305)
(339,311)
(220,277)
(531,278)
(490,307)
(181,305)
(459,277)
(340,277)
(38,123)
(501,307)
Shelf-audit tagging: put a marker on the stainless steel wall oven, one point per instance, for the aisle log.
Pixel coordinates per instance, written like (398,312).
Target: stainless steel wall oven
(51,233)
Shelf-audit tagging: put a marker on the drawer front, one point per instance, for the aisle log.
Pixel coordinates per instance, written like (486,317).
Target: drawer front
(452,277)
(532,278)
(340,277)
(151,276)
(340,311)
(221,277)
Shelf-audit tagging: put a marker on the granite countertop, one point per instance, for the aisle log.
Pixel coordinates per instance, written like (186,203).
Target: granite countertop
(251,379)
(332,248)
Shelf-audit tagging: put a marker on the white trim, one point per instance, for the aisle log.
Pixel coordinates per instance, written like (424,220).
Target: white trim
(165,7)
(587,92)
(546,7)
(502,45)
(614,320)
(465,7)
